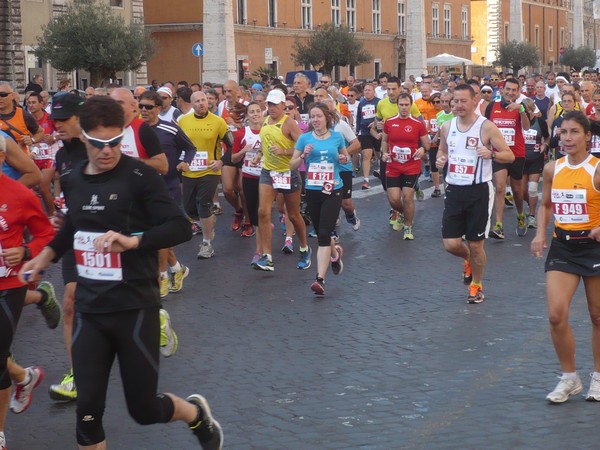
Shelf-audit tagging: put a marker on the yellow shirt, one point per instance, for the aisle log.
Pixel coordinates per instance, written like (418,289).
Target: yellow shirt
(272,135)
(575,200)
(206,135)
(387,109)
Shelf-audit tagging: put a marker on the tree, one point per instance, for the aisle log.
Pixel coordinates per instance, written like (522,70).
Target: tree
(517,55)
(578,58)
(328,47)
(91,37)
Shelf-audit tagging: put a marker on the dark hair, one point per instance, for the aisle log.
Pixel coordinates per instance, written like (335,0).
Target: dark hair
(465,87)
(512,80)
(183,83)
(472,81)
(330,116)
(354,89)
(405,95)
(152,96)
(564,75)
(290,98)
(580,118)
(570,94)
(101,111)
(185,93)
(384,75)
(197,84)
(36,95)
(212,92)
(206,83)
(394,80)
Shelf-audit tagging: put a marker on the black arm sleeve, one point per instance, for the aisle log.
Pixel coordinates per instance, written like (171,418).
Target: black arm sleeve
(150,141)
(184,144)
(63,240)
(543,128)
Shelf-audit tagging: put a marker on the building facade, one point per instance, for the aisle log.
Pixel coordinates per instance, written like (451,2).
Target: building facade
(265,31)
(21,23)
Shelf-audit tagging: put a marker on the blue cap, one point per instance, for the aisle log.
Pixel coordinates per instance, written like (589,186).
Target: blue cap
(257,86)
(487,77)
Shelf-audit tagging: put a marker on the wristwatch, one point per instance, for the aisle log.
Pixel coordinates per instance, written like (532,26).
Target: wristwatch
(493,155)
(27,254)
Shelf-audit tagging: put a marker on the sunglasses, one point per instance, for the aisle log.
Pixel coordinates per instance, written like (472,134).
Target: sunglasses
(290,108)
(350,96)
(147,107)
(5,94)
(487,92)
(436,102)
(493,79)
(101,143)
(324,82)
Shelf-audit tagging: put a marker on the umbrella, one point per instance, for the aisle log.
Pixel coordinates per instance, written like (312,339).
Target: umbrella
(446,59)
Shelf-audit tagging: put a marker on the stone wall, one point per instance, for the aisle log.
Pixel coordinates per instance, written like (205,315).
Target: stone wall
(12,58)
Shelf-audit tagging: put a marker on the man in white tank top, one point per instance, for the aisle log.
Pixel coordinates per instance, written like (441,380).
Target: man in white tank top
(466,144)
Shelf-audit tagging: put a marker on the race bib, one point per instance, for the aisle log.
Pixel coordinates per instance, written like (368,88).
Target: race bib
(3,269)
(401,154)
(45,151)
(319,173)
(509,136)
(433,126)
(248,167)
(95,265)
(530,136)
(200,162)
(570,205)
(304,118)
(281,180)
(595,145)
(368,111)
(462,168)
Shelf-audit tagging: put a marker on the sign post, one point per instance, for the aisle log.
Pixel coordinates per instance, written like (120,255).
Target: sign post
(198,52)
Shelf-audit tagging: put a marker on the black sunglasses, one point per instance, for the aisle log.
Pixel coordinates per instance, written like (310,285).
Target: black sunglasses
(290,108)
(5,94)
(148,107)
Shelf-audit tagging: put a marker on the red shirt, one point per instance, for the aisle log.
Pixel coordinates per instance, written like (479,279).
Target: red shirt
(20,209)
(404,138)
(46,123)
(509,123)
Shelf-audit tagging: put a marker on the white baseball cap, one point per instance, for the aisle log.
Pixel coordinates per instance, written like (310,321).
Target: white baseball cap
(276,97)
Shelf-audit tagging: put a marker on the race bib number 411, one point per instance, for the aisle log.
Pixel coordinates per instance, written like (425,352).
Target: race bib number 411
(92,264)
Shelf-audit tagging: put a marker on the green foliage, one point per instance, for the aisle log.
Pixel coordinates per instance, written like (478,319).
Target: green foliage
(578,58)
(517,55)
(92,37)
(266,71)
(328,47)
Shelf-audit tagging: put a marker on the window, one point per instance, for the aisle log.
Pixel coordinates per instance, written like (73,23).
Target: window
(306,6)
(351,14)
(447,21)
(401,17)
(435,20)
(550,37)
(273,13)
(242,18)
(336,13)
(376,16)
(116,3)
(464,22)
(377,68)
(536,36)
(506,25)
(561,42)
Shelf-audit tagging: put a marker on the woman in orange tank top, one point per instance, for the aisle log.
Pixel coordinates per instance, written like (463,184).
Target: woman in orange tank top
(571,191)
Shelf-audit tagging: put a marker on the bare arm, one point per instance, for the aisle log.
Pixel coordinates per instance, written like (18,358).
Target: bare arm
(158,162)
(544,212)
(494,139)
(18,160)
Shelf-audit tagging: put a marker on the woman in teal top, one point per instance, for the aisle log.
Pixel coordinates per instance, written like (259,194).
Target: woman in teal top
(324,152)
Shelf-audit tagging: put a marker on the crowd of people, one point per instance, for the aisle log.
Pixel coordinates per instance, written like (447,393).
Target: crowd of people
(111,181)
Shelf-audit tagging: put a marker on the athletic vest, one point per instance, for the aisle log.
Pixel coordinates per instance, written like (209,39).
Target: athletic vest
(560,109)
(509,123)
(533,140)
(575,200)
(464,166)
(17,121)
(272,135)
(253,140)
(131,144)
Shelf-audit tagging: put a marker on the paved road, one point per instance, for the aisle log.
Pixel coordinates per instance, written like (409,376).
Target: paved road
(391,358)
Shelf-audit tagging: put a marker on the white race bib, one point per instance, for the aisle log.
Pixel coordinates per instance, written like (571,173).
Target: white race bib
(95,265)
(570,205)
(462,168)
(509,136)
(248,167)
(319,173)
(200,162)
(281,180)
(401,154)
(368,111)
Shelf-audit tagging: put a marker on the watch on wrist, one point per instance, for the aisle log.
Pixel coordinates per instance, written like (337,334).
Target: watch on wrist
(493,154)
(27,254)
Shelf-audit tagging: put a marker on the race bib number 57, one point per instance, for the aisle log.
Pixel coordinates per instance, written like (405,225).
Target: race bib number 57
(92,264)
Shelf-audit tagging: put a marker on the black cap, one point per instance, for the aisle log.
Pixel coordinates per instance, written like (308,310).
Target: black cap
(65,105)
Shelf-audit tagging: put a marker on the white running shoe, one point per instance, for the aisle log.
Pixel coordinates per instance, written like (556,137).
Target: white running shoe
(564,389)
(22,393)
(593,394)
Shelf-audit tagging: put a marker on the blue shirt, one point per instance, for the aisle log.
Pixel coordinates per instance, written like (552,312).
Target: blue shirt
(7,170)
(324,151)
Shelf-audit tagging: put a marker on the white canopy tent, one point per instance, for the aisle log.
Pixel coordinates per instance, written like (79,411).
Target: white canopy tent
(445,59)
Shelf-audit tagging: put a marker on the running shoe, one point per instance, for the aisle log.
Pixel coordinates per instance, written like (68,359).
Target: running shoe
(318,287)
(408,234)
(419,193)
(497,232)
(521,225)
(393,216)
(206,251)
(255,258)
(365,186)
(165,283)
(436,193)
(427,174)
(564,389)
(237,221)
(66,390)
(196,228)
(376,174)
(178,278)
(475,294)
(353,220)
(264,264)
(50,309)
(312,233)
(467,275)
(216,210)
(22,393)
(593,394)
(509,200)
(168,338)
(206,428)
(304,262)
(337,266)
(335,237)
(531,222)
(288,246)
(248,230)
(399,223)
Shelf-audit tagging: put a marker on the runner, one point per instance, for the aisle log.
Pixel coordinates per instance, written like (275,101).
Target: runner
(571,191)
(469,143)
(365,117)
(323,150)
(405,142)
(278,137)
(118,310)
